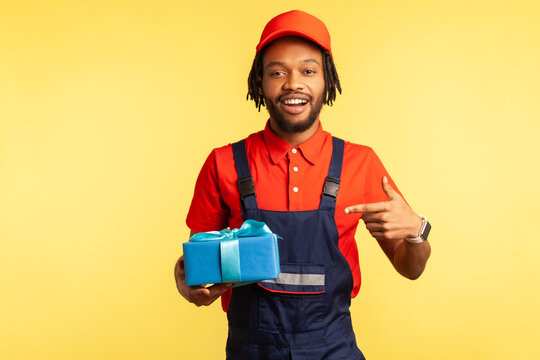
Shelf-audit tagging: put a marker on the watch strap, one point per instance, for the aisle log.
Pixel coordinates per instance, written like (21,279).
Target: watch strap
(424,232)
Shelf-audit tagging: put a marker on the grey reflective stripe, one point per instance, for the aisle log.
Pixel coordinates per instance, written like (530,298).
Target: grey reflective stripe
(298,279)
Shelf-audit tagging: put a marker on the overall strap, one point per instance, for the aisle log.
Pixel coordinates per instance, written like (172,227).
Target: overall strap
(331,185)
(246,187)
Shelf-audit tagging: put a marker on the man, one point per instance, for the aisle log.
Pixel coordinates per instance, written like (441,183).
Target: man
(309,188)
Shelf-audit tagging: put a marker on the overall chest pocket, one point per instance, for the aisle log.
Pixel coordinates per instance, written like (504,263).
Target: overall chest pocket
(295,301)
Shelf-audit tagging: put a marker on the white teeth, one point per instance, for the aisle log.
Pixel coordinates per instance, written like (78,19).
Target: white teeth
(294,101)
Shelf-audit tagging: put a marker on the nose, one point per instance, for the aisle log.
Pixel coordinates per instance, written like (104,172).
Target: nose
(294,82)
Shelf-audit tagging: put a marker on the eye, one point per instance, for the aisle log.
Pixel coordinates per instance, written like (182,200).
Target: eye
(277,73)
(310,71)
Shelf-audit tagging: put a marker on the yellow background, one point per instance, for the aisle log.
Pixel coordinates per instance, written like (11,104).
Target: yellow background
(109,108)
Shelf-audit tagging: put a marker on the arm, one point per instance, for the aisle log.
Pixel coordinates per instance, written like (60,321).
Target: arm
(408,259)
(391,222)
(200,294)
(207,212)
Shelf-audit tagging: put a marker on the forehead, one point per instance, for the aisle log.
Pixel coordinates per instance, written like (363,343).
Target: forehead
(291,49)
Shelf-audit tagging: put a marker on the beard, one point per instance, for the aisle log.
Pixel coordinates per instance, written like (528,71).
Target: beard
(300,126)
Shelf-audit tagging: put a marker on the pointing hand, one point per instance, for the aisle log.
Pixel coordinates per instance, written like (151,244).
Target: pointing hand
(389,220)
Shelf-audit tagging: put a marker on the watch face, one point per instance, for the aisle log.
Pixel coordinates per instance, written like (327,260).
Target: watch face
(425,231)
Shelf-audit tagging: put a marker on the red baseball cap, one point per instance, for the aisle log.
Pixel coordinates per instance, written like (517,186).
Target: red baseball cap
(296,23)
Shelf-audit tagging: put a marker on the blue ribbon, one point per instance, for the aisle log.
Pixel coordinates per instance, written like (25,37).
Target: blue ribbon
(230,254)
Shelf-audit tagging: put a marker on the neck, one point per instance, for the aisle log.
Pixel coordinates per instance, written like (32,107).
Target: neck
(294,139)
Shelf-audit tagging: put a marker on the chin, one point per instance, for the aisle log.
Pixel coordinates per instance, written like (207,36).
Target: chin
(294,125)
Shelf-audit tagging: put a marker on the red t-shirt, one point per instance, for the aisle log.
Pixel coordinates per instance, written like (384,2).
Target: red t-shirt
(288,178)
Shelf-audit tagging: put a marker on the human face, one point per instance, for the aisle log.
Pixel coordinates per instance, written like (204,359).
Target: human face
(293,83)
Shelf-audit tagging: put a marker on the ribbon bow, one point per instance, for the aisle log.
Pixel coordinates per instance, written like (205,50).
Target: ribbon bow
(230,254)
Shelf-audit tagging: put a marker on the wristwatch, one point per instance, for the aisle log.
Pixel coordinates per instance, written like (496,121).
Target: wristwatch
(424,231)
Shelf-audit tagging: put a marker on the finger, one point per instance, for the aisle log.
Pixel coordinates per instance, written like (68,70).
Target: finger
(197,296)
(179,271)
(375,217)
(211,294)
(386,235)
(389,190)
(219,289)
(198,291)
(363,208)
(211,291)
(191,293)
(181,262)
(379,235)
(375,227)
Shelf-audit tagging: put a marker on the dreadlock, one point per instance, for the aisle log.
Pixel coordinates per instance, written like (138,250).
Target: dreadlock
(331,80)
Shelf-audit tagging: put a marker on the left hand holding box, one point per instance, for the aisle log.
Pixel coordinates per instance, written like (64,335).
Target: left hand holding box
(198,294)
(244,255)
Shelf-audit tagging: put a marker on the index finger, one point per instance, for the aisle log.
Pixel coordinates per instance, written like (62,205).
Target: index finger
(208,294)
(219,289)
(367,208)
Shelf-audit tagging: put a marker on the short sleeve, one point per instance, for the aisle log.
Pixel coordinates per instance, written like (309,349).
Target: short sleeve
(208,211)
(373,190)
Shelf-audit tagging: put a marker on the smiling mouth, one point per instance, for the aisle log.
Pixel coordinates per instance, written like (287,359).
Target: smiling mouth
(295,102)
(294,105)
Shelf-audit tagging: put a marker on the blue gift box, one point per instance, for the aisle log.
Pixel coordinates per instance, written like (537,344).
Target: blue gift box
(240,255)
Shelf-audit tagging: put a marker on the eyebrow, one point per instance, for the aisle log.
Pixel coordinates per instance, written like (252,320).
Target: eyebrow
(279,63)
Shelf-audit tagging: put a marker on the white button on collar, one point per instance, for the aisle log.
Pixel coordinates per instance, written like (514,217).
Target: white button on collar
(294,151)
(295,169)
(295,189)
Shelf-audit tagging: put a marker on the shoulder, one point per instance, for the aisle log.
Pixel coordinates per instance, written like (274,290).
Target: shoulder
(361,162)
(225,152)
(221,159)
(358,154)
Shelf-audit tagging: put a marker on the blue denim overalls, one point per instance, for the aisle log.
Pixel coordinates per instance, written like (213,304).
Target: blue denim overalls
(304,314)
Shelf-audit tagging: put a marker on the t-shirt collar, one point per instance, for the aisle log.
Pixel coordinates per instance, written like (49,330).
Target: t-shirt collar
(278,148)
